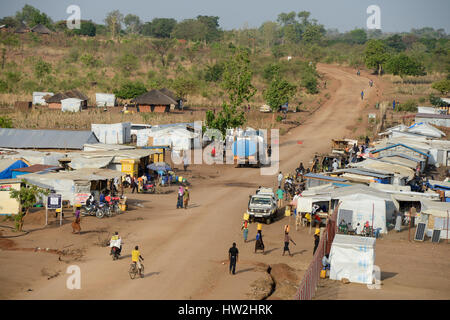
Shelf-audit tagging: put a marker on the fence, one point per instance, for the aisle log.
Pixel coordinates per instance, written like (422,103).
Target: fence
(308,285)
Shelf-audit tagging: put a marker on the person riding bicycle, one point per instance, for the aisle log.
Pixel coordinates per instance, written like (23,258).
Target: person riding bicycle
(136,257)
(116,241)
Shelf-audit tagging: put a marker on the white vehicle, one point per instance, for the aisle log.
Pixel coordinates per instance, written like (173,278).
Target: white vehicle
(262,205)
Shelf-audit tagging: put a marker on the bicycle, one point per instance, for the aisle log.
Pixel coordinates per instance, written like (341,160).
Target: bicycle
(134,270)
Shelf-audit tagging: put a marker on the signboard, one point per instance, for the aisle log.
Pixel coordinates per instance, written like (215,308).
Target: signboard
(5,187)
(80,198)
(54,201)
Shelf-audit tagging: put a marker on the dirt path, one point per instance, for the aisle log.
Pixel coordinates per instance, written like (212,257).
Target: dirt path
(184,249)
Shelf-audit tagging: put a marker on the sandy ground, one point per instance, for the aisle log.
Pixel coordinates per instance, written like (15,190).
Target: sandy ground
(186,251)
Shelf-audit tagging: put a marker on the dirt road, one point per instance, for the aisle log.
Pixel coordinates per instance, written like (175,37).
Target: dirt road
(184,249)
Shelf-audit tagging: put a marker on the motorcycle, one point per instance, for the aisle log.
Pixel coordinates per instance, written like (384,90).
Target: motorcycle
(149,188)
(115,252)
(92,210)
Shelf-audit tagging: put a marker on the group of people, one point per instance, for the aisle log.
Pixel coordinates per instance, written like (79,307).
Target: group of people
(136,183)
(116,244)
(182,197)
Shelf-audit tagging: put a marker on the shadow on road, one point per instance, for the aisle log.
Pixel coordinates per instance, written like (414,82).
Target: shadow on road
(245,270)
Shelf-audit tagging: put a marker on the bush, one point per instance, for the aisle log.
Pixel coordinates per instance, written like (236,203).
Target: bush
(3,86)
(5,122)
(309,82)
(279,118)
(214,73)
(271,70)
(409,106)
(89,60)
(442,86)
(130,90)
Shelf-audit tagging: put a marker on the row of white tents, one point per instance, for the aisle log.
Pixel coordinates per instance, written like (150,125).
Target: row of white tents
(101,100)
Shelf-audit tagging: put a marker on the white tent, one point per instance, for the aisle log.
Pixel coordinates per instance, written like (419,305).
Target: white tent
(426,129)
(178,138)
(105,99)
(38,97)
(71,105)
(440,213)
(116,133)
(352,257)
(361,203)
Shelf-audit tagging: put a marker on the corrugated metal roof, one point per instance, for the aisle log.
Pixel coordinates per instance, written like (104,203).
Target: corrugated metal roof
(368,173)
(45,139)
(403,145)
(36,168)
(323,177)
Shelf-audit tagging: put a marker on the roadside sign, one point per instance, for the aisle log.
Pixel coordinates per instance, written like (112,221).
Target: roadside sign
(80,198)
(54,201)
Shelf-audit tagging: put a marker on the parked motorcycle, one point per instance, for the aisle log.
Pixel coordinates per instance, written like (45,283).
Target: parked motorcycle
(92,210)
(149,188)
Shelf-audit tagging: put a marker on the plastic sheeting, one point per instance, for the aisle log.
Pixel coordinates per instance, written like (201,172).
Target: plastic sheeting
(38,97)
(116,133)
(105,99)
(71,105)
(6,173)
(95,163)
(178,138)
(352,257)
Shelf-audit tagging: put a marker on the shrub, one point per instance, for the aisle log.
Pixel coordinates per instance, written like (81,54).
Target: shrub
(279,118)
(3,86)
(214,73)
(309,82)
(130,90)
(409,106)
(271,70)
(5,122)
(442,86)
(89,60)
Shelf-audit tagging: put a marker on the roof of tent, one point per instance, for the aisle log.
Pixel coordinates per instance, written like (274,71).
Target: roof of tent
(435,208)
(8,165)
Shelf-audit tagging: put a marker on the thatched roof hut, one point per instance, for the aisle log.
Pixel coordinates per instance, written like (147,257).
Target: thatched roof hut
(154,101)
(41,29)
(22,29)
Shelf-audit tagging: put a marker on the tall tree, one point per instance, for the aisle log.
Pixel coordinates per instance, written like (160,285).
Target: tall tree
(162,27)
(162,47)
(133,23)
(114,21)
(375,55)
(280,91)
(402,65)
(213,32)
(237,78)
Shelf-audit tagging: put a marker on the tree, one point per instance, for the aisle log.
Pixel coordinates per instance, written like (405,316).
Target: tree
(27,197)
(375,54)
(190,29)
(5,122)
(162,27)
(213,33)
(87,28)
(41,69)
(280,91)
(269,31)
(228,118)
(130,90)
(183,86)
(402,65)
(442,86)
(313,33)
(357,36)
(10,22)
(237,78)
(32,16)
(396,43)
(214,73)
(133,23)
(162,47)
(114,21)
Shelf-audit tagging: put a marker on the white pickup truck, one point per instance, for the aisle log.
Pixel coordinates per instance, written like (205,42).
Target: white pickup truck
(262,205)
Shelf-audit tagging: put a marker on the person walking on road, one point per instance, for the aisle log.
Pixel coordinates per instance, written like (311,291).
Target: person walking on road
(280,179)
(134,185)
(280,194)
(362,95)
(316,240)
(259,244)
(245,230)
(180,197)
(186,197)
(233,255)
(287,238)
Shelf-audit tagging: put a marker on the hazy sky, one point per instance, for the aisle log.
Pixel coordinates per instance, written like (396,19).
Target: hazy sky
(396,15)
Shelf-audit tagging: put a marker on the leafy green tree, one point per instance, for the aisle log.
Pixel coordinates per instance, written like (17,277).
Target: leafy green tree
(214,73)
(27,196)
(41,69)
(87,28)
(132,23)
(237,78)
(357,36)
(32,16)
(313,33)
(213,33)
(280,91)
(396,43)
(270,33)
(162,27)
(436,101)
(162,47)
(309,82)
(227,118)
(402,65)
(190,29)
(130,90)
(10,22)
(442,86)
(183,86)
(114,21)
(375,55)
(271,70)
(278,51)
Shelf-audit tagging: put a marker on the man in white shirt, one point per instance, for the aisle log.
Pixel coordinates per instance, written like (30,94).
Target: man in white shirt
(280,179)
(116,241)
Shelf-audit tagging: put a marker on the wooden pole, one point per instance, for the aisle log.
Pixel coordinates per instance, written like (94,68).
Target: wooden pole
(60,214)
(373,213)
(409,227)
(46,213)
(447,226)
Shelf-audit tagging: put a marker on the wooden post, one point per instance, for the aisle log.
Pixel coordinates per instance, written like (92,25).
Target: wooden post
(46,213)
(447,226)
(60,214)
(373,213)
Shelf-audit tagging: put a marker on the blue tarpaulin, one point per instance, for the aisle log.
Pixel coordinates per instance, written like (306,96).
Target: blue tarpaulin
(7,173)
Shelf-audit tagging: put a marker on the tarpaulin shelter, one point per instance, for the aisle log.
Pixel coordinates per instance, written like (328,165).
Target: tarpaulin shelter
(105,100)
(8,165)
(437,215)
(38,97)
(353,258)
(71,105)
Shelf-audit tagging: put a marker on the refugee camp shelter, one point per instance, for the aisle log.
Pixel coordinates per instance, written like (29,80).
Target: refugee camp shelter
(424,129)
(363,175)
(441,120)
(8,165)
(8,205)
(401,173)
(360,203)
(41,29)
(45,139)
(74,184)
(33,169)
(22,28)
(436,215)
(55,102)
(71,105)
(39,98)
(316,179)
(353,258)
(105,100)
(154,101)
(175,137)
(116,133)
(173,96)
